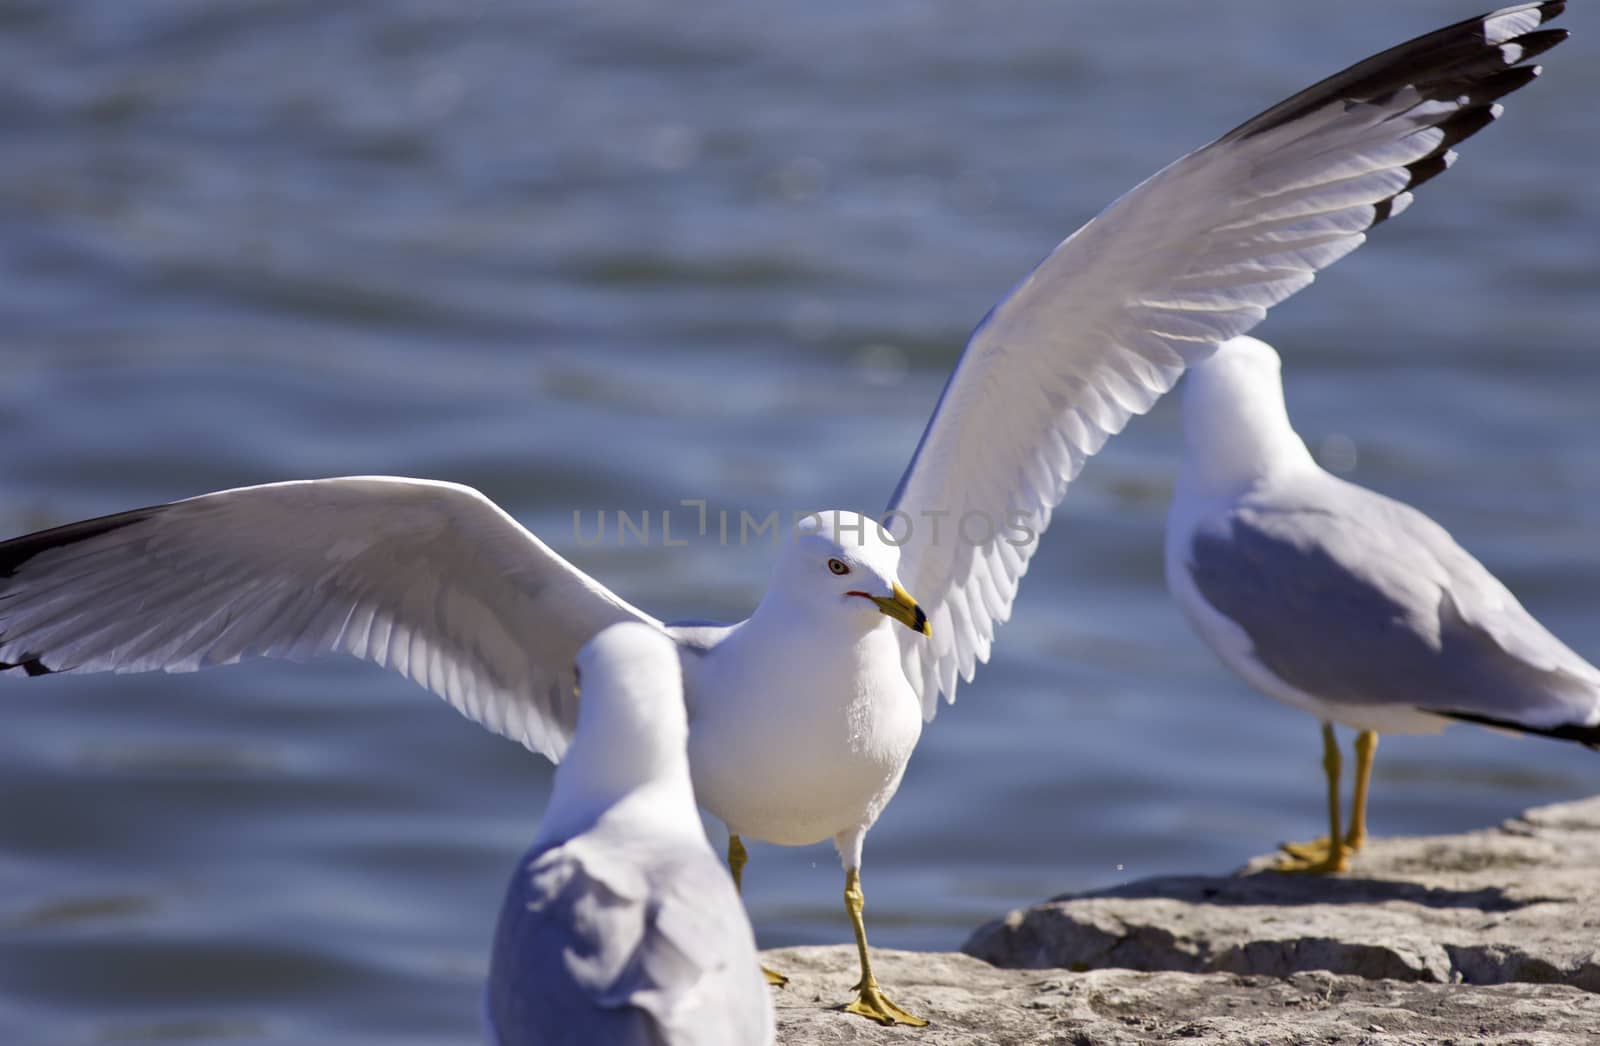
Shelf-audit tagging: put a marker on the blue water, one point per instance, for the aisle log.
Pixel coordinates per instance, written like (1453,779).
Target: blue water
(612,255)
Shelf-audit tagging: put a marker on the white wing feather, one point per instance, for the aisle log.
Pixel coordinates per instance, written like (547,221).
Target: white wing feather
(429,579)
(1191,257)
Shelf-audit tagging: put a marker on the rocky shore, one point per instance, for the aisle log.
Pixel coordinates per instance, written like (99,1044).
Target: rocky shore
(1487,937)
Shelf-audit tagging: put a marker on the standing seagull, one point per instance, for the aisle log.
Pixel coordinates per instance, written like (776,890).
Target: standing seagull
(620,925)
(1342,602)
(801,718)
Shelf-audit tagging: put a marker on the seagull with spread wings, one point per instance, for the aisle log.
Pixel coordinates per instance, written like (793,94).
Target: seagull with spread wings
(803,716)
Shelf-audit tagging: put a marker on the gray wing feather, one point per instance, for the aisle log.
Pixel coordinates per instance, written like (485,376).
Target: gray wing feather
(598,945)
(1359,599)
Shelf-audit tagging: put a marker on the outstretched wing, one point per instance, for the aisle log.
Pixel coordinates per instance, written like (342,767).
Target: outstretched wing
(1193,256)
(430,579)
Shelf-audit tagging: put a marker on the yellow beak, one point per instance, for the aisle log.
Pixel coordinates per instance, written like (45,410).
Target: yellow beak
(903,609)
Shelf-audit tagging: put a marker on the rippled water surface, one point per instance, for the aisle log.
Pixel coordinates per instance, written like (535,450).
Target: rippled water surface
(607,255)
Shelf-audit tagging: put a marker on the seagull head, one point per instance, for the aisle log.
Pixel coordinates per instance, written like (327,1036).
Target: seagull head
(1236,428)
(631,697)
(842,562)
(632,733)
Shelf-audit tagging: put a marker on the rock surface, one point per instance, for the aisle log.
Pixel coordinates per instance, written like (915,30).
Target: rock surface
(1516,903)
(1488,937)
(972,1003)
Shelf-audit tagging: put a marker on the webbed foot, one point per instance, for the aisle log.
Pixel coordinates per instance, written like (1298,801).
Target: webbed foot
(871,1003)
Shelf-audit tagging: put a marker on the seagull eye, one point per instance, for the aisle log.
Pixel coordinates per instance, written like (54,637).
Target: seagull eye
(838,567)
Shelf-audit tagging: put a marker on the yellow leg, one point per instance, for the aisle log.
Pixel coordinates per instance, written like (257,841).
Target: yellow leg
(870,1002)
(1323,856)
(1366,749)
(737,858)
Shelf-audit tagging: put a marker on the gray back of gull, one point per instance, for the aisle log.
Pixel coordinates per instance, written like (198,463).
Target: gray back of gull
(1359,599)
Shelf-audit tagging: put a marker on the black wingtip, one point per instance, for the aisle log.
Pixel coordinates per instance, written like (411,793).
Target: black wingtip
(1588,736)
(1539,41)
(1502,84)
(17,551)
(1446,63)
(14,554)
(29,664)
(1465,124)
(1429,168)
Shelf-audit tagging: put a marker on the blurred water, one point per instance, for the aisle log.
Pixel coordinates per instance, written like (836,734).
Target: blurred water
(610,255)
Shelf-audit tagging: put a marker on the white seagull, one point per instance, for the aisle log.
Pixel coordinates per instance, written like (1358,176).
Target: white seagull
(1344,603)
(620,926)
(801,718)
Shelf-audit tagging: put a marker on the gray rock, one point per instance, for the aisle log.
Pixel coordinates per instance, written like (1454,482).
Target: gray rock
(974,1004)
(1518,903)
(1491,937)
